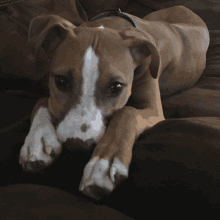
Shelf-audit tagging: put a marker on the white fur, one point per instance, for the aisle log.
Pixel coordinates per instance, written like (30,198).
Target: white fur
(40,142)
(101,27)
(86,112)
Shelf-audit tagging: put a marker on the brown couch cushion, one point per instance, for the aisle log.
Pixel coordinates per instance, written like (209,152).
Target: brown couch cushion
(138,9)
(201,100)
(24,201)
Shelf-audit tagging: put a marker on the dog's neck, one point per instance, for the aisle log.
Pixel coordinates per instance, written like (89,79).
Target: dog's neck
(114,12)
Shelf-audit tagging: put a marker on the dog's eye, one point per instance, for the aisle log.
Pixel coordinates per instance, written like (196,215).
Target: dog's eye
(116,88)
(62,82)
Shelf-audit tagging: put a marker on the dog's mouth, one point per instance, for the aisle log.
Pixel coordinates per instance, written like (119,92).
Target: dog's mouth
(75,144)
(78,145)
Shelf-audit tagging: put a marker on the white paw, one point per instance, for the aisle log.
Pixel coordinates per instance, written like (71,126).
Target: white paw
(100,177)
(40,149)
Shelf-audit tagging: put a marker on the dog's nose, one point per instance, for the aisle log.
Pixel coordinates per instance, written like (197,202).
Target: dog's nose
(84,127)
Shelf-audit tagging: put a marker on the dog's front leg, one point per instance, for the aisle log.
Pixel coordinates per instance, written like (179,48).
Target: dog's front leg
(41,146)
(112,156)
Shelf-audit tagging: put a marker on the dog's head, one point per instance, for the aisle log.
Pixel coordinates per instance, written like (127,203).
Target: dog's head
(90,73)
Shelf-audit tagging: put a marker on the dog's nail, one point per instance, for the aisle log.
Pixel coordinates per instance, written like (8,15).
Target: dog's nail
(112,174)
(48,150)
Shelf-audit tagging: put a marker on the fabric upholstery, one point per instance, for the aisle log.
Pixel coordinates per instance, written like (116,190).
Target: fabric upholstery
(47,203)
(138,9)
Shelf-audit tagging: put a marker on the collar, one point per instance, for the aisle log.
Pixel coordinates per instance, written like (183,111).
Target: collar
(114,12)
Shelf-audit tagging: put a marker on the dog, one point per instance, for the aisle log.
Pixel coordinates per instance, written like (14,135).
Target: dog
(107,78)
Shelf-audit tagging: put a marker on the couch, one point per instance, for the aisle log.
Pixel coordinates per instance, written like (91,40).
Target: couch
(175,165)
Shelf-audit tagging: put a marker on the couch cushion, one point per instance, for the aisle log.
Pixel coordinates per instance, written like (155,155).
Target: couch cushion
(201,100)
(138,9)
(28,201)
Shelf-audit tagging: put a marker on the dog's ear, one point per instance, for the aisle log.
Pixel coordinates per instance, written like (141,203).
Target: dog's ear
(47,32)
(141,45)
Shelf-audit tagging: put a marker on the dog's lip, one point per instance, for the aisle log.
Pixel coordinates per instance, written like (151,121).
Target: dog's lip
(77,144)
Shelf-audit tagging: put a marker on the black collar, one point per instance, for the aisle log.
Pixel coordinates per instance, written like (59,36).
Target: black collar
(114,12)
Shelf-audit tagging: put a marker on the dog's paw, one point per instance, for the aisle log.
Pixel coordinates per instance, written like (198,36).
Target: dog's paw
(100,177)
(40,149)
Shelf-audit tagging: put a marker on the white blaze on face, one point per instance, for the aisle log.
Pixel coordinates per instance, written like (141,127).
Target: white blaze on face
(86,114)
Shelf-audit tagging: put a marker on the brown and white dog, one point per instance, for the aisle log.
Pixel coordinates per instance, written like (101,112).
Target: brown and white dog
(106,80)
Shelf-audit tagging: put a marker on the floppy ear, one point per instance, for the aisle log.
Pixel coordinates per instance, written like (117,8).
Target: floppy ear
(141,45)
(47,32)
